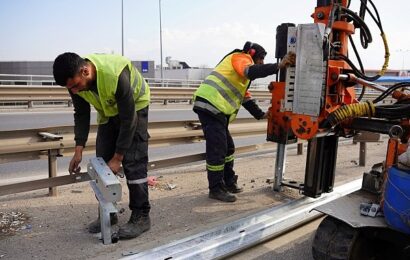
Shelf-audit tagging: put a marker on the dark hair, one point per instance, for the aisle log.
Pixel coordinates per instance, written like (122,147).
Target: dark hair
(65,66)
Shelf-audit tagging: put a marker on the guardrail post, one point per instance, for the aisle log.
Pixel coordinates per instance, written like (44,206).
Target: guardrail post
(52,169)
(279,166)
(362,154)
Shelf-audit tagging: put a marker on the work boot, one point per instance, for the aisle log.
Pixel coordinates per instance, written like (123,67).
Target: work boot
(137,225)
(95,226)
(222,195)
(234,188)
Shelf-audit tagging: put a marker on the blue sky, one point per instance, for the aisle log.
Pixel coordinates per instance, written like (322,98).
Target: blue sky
(199,32)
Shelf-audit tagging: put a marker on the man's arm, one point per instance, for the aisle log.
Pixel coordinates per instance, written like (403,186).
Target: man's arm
(81,130)
(257,71)
(81,119)
(126,112)
(250,104)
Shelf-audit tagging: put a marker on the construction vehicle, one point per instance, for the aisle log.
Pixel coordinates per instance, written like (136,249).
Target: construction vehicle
(316,100)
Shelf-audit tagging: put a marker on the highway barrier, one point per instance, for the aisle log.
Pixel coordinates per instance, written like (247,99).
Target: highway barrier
(54,142)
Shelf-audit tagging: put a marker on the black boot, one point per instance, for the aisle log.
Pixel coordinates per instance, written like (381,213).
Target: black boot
(95,226)
(138,224)
(234,187)
(221,194)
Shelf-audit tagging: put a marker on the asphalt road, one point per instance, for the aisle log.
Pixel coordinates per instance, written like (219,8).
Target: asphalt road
(40,118)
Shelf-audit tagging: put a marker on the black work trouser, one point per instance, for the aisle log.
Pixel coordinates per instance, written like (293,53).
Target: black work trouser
(135,159)
(219,146)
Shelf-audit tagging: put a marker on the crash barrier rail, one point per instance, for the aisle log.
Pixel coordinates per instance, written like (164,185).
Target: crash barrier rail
(54,142)
(30,94)
(48,80)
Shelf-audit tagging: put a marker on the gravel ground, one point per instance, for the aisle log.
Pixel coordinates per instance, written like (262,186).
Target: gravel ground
(55,227)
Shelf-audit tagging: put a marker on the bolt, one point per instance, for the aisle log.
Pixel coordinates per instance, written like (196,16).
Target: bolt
(320,15)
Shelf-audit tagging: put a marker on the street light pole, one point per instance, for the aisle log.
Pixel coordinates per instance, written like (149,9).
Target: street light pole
(160,43)
(122,27)
(403,53)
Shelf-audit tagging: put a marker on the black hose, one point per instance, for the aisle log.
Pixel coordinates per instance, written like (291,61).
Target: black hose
(390,90)
(355,70)
(396,111)
(361,66)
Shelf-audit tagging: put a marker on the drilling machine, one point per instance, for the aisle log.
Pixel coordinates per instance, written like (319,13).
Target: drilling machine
(316,100)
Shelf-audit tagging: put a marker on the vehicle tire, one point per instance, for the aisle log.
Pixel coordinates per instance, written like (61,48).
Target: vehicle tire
(336,240)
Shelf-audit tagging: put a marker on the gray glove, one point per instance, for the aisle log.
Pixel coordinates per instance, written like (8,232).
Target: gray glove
(288,60)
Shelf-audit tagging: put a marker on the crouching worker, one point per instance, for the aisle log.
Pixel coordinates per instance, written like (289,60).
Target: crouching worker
(121,97)
(217,102)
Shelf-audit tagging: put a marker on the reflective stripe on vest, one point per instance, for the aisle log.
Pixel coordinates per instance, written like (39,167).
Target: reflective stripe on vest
(224,89)
(207,106)
(109,68)
(143,85)
(234,90)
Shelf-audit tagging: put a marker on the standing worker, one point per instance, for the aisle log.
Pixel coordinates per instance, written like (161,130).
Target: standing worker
(121,97)
(217,102)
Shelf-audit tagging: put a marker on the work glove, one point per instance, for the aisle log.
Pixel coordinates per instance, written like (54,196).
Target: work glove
(266,115)
(288,60)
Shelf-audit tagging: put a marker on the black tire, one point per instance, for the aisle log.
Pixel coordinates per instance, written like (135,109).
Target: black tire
(336,240)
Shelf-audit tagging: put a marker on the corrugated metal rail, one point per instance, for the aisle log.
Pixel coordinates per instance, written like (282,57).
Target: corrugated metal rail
(53,142)
(29,94)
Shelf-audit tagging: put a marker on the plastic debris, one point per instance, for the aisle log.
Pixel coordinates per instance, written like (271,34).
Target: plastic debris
(11,222)
(171,186)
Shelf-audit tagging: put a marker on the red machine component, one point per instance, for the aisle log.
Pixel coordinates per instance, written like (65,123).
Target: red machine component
(283,124)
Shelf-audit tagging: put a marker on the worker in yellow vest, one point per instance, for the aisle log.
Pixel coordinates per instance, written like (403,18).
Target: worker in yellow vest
(121,97)
(217,102)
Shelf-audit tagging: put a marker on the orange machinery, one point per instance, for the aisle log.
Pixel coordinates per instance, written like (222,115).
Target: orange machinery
(316,99)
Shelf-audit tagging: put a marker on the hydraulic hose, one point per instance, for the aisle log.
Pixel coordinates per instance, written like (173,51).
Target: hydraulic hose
(351,111)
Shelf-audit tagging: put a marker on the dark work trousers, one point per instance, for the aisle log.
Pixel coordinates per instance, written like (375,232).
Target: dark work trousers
(135,159)
(219,145)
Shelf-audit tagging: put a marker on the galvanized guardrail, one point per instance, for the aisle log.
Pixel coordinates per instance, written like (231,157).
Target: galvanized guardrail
(29,94)
(53,142)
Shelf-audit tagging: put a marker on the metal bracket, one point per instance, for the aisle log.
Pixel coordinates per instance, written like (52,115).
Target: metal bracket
(107,189)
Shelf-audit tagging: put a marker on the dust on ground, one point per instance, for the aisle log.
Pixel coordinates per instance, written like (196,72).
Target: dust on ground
(55,227)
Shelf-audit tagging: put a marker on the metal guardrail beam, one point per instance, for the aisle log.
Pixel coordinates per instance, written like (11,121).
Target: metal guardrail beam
(27,144)
(231,238)
(30,94)
(12,93)
(23,145)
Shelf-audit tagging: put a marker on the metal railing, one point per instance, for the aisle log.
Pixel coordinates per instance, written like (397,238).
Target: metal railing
(41,88)
(27,95)
(48,80)
(53,142)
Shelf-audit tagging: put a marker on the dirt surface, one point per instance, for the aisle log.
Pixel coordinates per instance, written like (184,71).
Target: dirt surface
(55,227)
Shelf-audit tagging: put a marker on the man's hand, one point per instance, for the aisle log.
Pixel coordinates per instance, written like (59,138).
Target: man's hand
(74,166)
(266,115)
(115,163)
(288,60)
